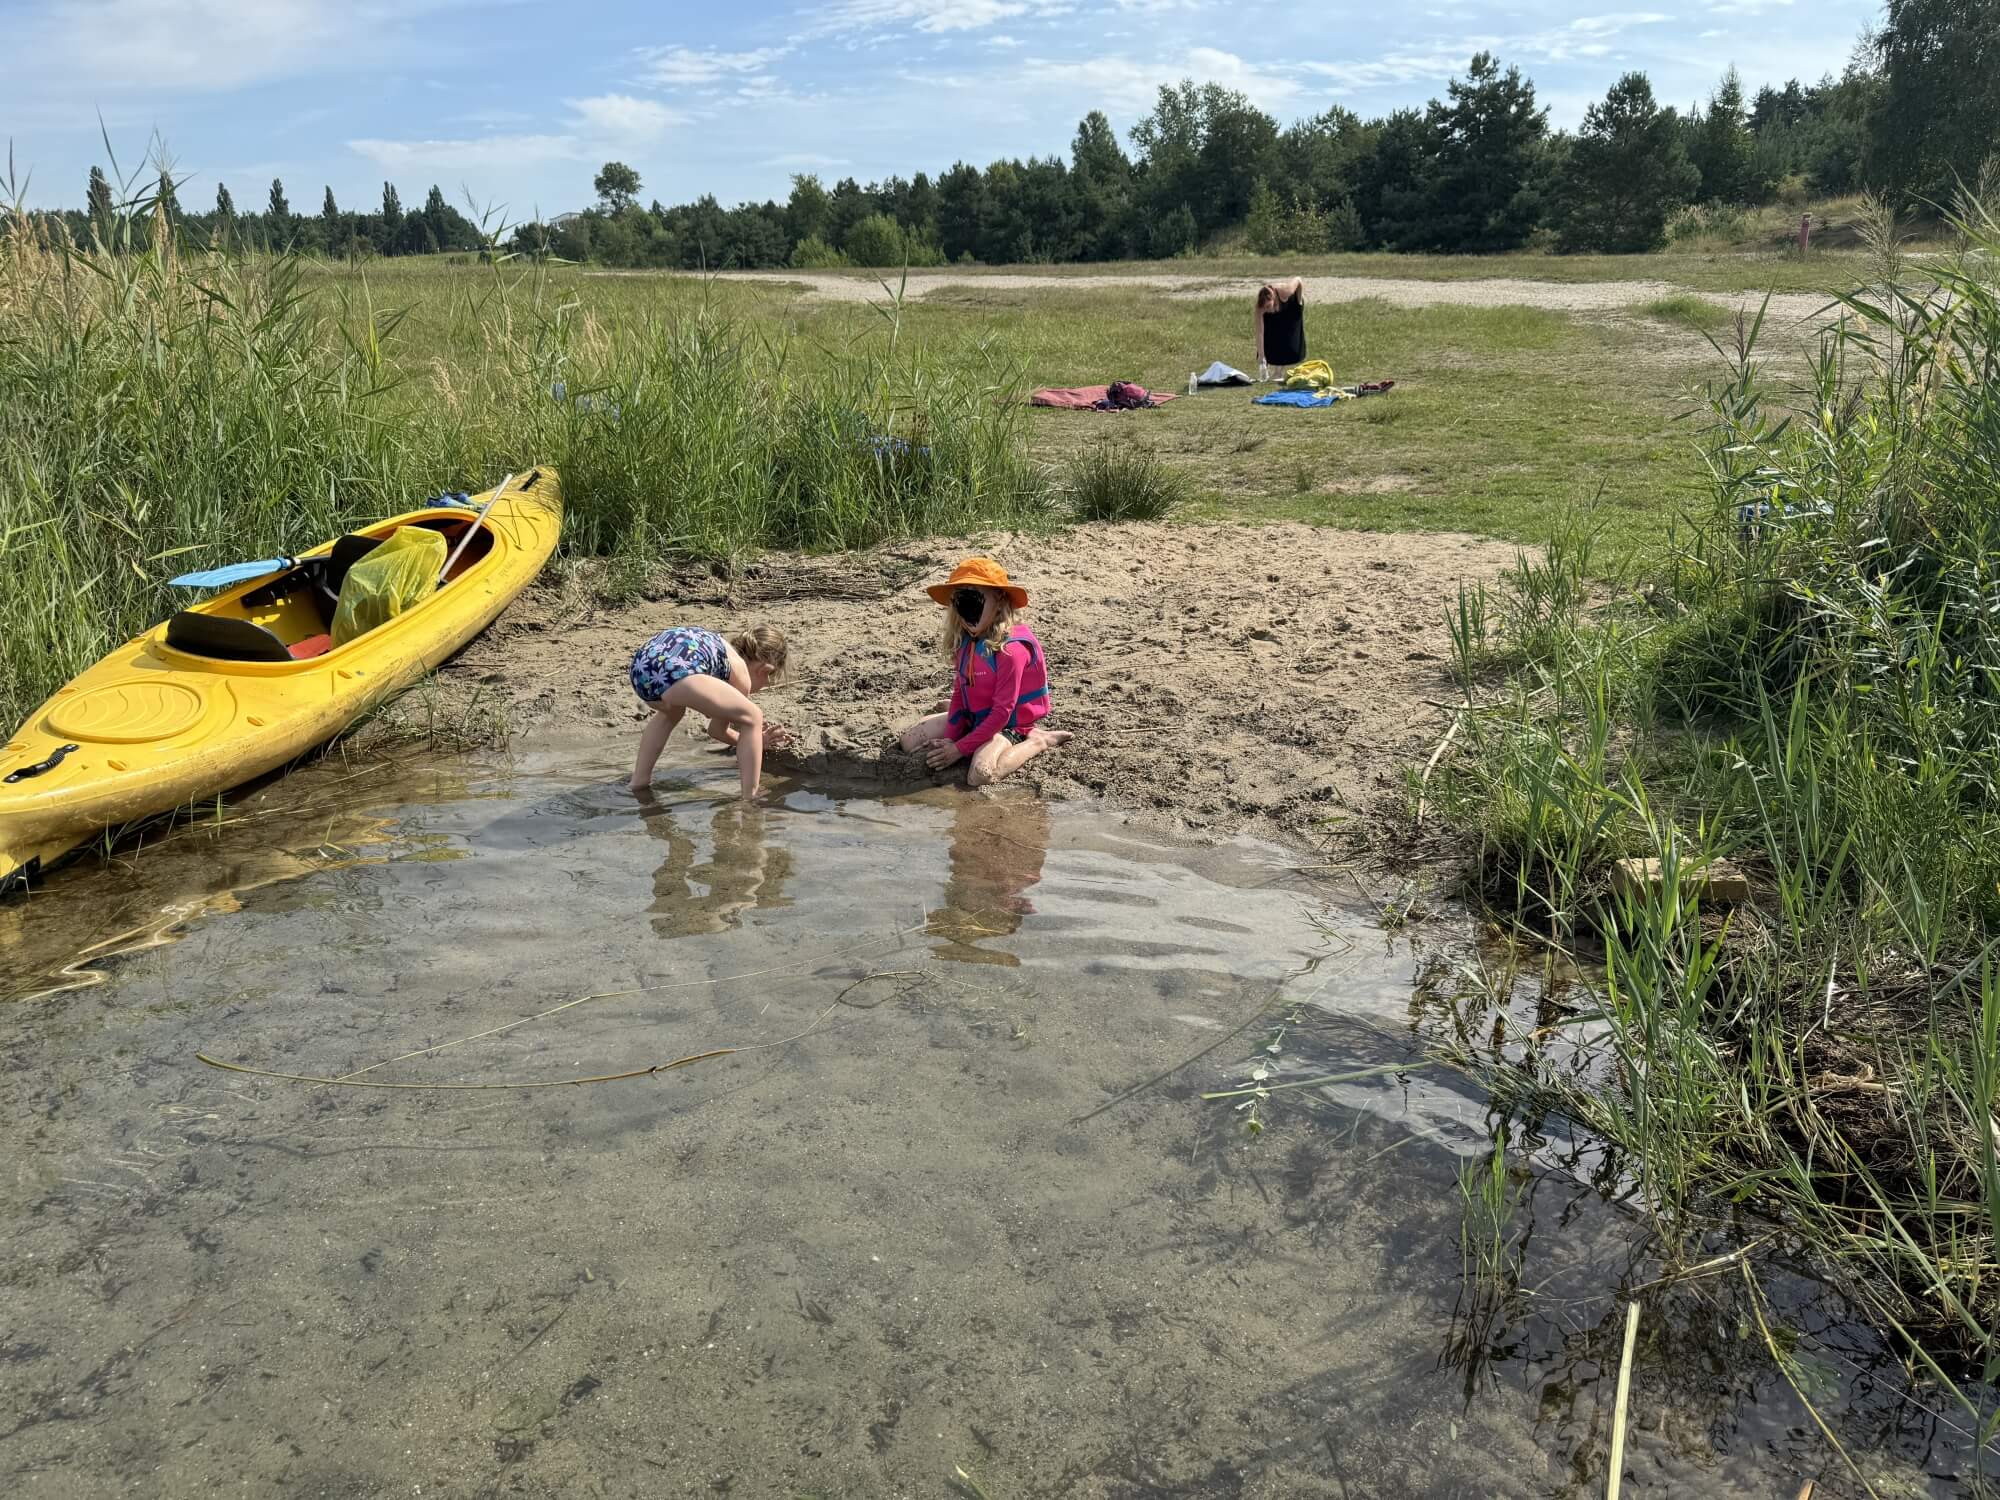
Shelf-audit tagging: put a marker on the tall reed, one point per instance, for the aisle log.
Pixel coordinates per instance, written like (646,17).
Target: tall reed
(164,406)
(1807,687)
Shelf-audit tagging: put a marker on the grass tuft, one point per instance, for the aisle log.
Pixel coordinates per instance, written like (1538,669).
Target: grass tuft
(1112,482)
(1689,311)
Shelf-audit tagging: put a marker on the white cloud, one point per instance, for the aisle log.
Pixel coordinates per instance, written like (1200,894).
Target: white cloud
(597,126)
(1613,24)
(1396,67)
(1003,41)
(212,46)
(493,153)
(922,15)
(621,117)
(676,66)
(191,44)
(1130,85)
(1746,7)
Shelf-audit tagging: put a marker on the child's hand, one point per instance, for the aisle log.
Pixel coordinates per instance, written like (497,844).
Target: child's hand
(779,735)
(943,753)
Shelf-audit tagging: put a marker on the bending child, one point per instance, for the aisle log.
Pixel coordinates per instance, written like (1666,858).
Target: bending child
(685,667)
(999,684)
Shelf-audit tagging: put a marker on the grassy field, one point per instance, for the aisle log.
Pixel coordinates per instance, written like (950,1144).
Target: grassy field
(1504,418)
(167,410)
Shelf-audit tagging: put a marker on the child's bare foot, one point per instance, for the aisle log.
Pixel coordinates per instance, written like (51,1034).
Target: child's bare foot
(1050,739)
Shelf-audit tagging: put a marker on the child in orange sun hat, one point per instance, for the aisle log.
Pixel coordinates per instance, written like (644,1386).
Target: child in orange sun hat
(999,682)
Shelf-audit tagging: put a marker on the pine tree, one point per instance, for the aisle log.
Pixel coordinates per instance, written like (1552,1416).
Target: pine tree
(278,215)
(1489,140)
(1721,145)
(390,241)
(1627,170)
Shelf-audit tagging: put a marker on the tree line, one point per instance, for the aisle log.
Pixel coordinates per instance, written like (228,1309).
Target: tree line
(1915,115)
(333,231)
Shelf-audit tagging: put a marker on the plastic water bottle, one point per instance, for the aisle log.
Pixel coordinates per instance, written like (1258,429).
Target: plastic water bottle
(1193,380)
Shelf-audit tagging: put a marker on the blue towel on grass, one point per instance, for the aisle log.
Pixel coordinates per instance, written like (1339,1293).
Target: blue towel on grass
(1297,398)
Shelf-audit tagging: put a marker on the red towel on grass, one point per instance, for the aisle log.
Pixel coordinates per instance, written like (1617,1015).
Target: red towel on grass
(1083,397)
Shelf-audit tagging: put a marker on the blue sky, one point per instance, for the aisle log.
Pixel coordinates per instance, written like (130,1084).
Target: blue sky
(519,101)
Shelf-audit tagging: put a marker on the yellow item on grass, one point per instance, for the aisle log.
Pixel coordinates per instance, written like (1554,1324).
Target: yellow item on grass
(388,581)
(214,697)
(1313,375)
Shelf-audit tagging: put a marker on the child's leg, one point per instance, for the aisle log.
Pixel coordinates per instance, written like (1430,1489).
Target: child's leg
(652,740)
(728,708)
(926,731)
(997,757)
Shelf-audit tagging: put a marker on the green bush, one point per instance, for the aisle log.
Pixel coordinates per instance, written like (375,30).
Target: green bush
(814,254)
(880,242)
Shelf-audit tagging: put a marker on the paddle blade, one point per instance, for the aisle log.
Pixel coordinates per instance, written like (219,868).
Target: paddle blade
(220,578)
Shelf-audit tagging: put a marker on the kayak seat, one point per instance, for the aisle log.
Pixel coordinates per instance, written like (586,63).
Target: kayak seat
(344,554)
(223,638)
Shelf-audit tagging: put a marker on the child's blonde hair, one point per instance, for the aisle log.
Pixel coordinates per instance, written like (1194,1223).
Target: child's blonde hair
(764,644)
(1003,624)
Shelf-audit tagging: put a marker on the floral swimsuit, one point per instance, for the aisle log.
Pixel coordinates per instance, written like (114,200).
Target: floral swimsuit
(676,652)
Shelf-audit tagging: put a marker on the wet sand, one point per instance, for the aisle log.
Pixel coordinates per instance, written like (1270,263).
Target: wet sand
(1277,679)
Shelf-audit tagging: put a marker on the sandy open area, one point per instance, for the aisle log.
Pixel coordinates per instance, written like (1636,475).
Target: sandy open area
(1494,291)
(1269,678)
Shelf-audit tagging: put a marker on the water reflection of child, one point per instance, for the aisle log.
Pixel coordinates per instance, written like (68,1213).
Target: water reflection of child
(999,684)
(685,667)
(741,872)
(996,855)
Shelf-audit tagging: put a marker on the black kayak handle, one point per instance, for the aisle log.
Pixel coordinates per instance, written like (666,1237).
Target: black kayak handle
(40,766)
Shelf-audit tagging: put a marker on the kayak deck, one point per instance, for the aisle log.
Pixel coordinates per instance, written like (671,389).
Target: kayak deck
(242,683)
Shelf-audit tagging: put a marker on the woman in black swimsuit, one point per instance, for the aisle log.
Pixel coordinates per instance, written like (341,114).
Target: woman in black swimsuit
(1281,323)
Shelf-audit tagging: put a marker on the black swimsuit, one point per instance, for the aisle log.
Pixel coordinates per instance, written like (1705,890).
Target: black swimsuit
(1285,332)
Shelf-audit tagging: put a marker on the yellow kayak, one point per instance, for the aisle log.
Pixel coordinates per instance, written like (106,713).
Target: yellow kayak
(244,682)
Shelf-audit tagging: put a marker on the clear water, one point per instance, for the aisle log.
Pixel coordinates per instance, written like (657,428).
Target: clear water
(951,1200)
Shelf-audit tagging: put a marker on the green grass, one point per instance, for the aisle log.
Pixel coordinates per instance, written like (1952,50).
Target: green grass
(1116,482)
(1698,313)
(1810,697)
(1503,420)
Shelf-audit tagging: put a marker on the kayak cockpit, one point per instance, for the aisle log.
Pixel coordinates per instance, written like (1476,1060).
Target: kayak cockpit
(289,618)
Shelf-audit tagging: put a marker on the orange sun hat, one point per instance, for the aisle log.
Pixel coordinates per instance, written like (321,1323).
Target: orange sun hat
(981,572)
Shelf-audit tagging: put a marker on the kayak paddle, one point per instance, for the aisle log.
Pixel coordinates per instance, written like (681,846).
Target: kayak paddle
(221,578)
(477,522)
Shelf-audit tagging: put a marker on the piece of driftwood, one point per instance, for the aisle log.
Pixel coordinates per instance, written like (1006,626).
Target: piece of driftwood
(1717,881)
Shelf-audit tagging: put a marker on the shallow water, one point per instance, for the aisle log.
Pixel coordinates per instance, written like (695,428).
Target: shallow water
(941,1192)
